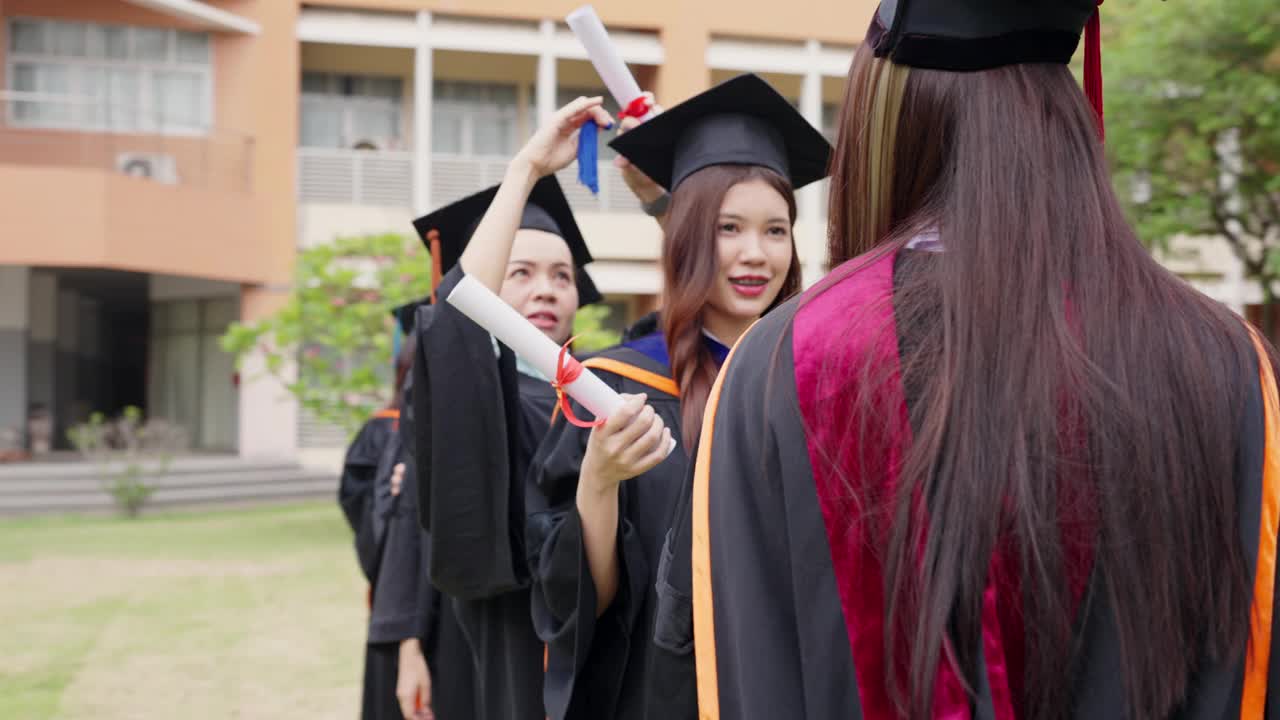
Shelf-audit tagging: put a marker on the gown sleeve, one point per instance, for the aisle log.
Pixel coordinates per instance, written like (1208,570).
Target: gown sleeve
(464,396)
(586,655)
(356,490)
(398,596)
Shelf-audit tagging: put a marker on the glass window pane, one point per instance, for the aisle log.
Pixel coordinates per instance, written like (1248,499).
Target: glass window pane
(150,44)
(24,77)
(219,314)
(93,89)
(66,39)
(123,99)
(379,123)
(321,124)
(314,82)
(184,316)
(193,47)
(446,132)
(376,87)
(26,36)
(24,80)
(178,98)
(494,135)
(95,41)
(116,40)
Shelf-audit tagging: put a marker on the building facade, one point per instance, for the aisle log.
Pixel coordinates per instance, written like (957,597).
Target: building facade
(162,161)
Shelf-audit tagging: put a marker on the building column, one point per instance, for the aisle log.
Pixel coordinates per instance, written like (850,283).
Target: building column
(546,88)
(268,412)
(423,82)
(684,72)
(15,323)
(812,242)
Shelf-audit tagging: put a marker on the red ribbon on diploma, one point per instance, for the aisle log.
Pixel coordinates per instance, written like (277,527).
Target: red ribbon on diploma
(637,108)
(568,369)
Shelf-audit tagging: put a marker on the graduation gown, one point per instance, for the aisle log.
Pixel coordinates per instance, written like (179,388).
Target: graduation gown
(406,605)
(787,601)
(480,420)
(356,486)
(609,666)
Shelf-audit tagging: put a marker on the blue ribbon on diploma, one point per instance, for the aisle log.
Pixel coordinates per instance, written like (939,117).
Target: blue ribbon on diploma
(588,157)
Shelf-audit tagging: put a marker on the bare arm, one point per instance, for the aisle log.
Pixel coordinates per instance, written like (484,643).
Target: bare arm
(552,148)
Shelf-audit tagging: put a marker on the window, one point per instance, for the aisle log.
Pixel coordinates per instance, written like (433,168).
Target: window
(86,76)
(344,111)
(474,119)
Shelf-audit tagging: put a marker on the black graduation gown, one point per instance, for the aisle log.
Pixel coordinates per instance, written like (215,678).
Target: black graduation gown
(479,423)
(601,667)
(771,630)
(356,486)
(406,605)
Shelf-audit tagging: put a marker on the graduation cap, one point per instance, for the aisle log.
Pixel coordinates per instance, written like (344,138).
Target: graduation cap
(447,231)
(742,121)
(405,314)
(971,35)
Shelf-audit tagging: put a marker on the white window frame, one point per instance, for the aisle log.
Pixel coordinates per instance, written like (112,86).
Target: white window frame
(147,70)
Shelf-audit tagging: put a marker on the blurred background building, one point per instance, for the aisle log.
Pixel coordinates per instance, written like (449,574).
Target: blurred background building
(162,160)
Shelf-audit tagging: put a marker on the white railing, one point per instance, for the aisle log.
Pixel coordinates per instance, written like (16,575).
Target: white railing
(358,177)
(385,178)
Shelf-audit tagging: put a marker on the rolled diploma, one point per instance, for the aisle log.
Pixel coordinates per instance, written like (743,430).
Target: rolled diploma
(586,24)
(488,311)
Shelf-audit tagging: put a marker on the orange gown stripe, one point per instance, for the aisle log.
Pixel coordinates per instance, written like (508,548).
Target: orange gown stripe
(1253,700)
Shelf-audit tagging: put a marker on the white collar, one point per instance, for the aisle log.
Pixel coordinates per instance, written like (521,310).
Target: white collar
(927,241)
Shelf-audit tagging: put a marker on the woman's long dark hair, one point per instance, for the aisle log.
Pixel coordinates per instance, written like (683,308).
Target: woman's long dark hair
(1060,380)
(690,266)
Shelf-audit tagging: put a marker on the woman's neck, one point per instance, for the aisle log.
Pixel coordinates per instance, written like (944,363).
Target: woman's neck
(725,328)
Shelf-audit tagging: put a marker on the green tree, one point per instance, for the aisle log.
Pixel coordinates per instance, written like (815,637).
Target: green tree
(338,329)
(1193,124)
(337,325)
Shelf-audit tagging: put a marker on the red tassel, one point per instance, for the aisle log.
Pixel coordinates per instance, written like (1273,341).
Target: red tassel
(566,373)
(1093,68)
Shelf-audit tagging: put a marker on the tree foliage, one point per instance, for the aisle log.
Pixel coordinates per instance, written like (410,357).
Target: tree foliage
(337,329)
(1193,122)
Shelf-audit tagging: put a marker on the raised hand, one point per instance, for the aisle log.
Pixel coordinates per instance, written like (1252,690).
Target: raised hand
(555,145)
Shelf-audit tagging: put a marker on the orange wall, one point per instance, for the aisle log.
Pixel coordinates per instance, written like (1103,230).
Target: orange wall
(235,220)
(76,217)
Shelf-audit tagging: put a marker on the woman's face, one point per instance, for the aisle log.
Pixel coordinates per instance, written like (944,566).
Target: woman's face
(540,282)
(754,247)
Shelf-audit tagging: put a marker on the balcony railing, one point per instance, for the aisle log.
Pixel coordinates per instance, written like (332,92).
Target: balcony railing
(385,178)
(215,158)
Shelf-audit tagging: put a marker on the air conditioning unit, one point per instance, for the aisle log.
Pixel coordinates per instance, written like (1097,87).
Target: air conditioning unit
(160,168)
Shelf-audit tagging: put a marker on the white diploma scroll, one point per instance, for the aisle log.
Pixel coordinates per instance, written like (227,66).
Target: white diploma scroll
(488,311)
(586,25)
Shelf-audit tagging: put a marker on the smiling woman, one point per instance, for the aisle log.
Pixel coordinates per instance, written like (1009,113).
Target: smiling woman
(618,629)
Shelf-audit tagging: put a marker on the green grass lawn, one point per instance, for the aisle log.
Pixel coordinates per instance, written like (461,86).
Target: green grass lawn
(253,613)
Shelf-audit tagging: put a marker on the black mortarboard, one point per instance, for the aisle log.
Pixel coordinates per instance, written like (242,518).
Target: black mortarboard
(404,314)
(742,121)
(547,210)
(968,35)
